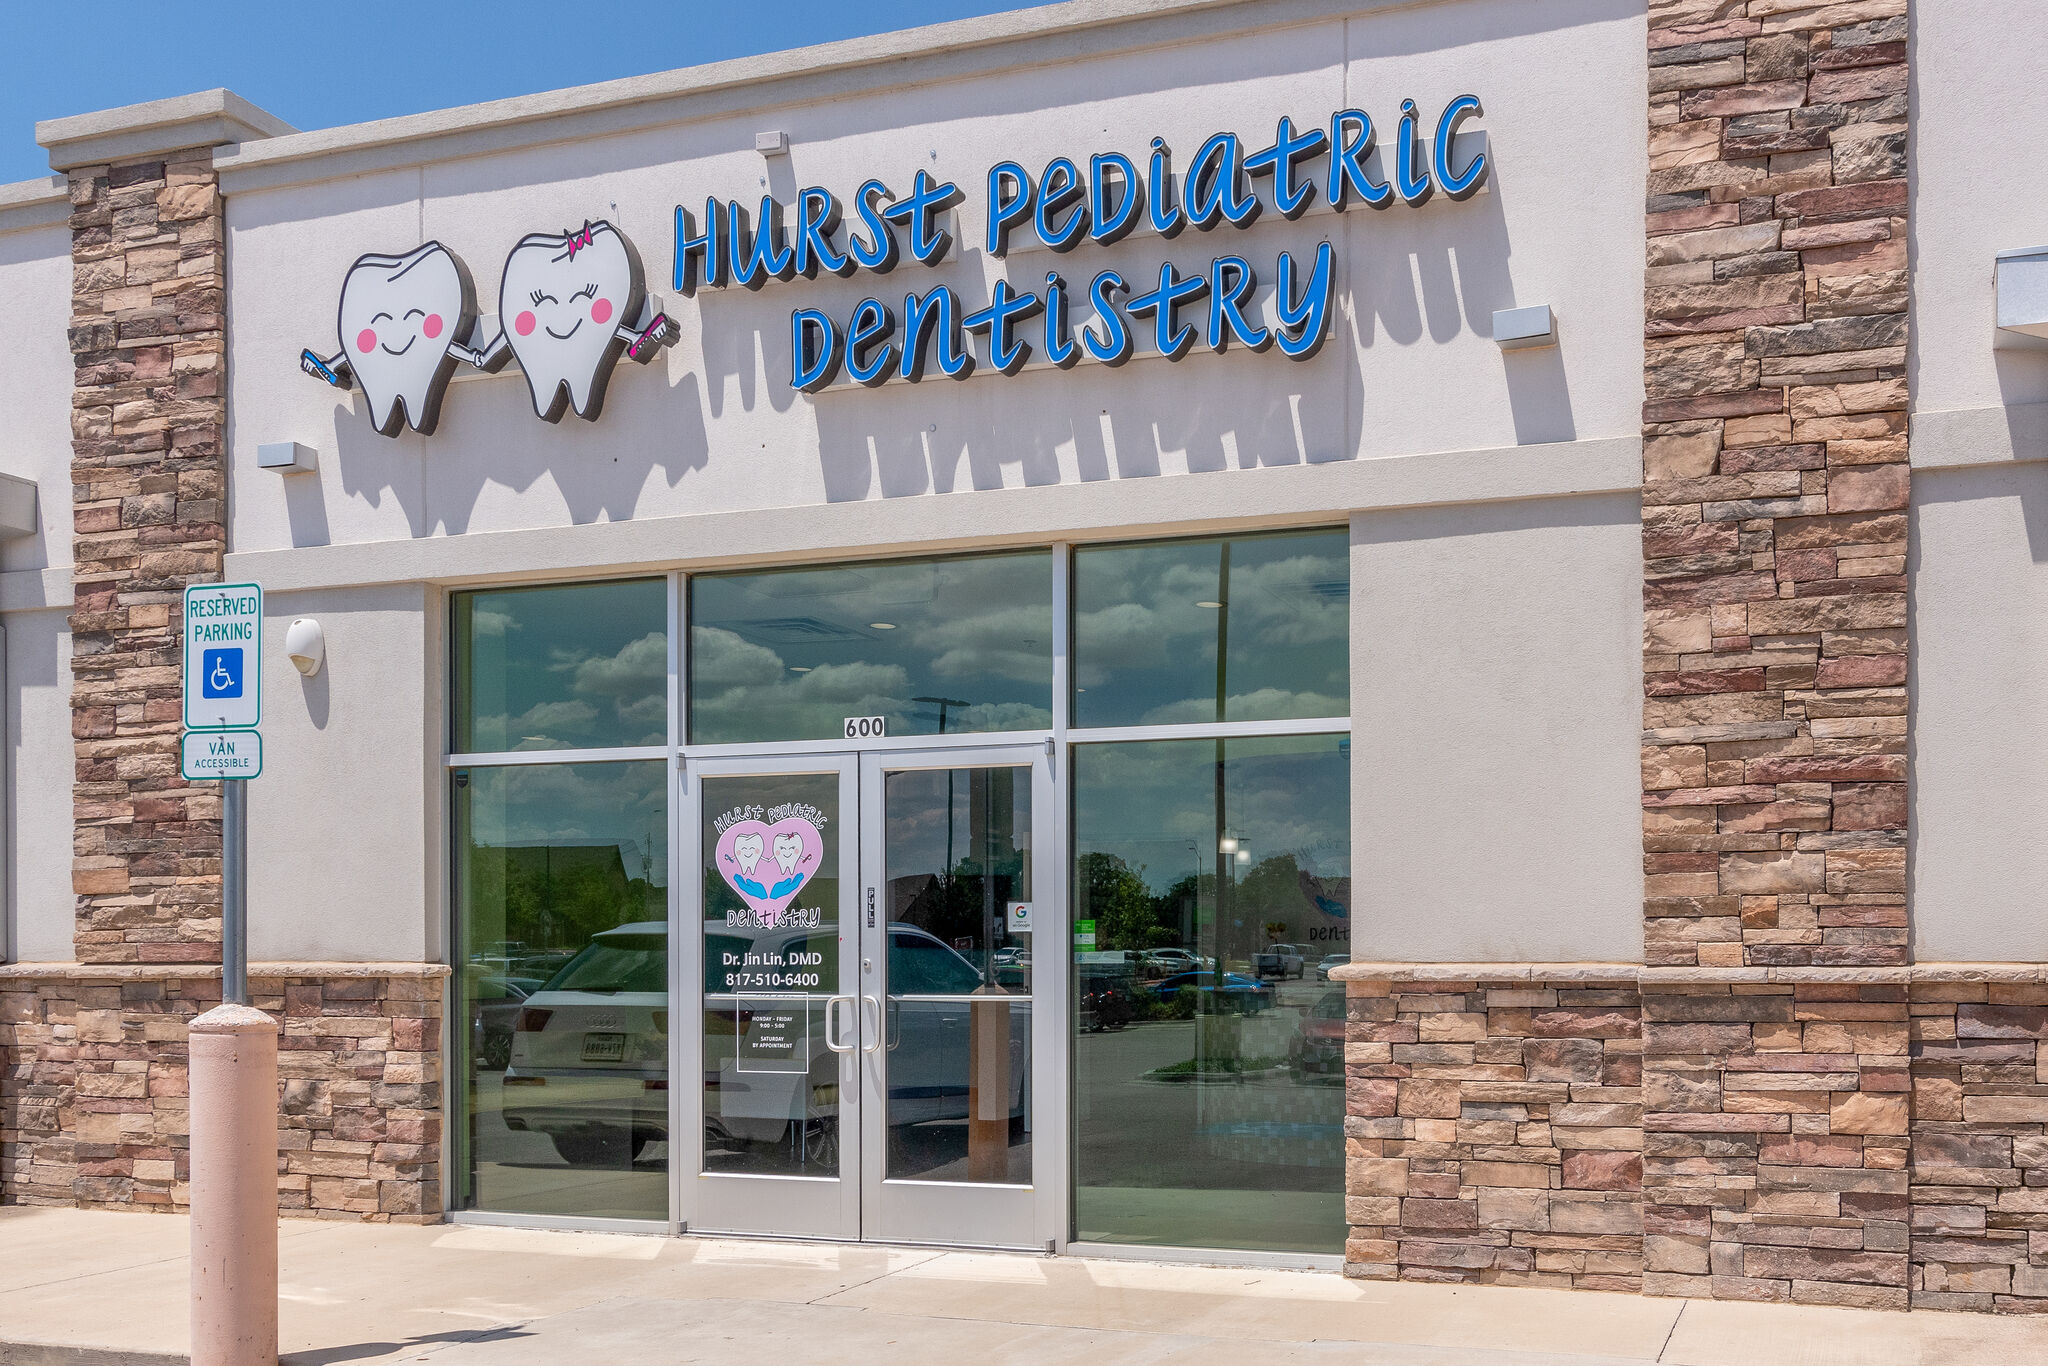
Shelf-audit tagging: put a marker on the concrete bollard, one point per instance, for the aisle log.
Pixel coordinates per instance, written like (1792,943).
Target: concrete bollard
(234,1187)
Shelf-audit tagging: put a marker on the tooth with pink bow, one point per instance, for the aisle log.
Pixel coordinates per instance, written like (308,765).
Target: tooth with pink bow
(569,304)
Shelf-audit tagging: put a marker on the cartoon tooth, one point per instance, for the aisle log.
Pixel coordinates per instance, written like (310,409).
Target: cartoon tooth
(402,323)
(748,849)
(787,850)
(568,301)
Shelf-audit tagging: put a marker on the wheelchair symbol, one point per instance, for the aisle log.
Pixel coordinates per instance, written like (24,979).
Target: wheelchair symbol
(220,673)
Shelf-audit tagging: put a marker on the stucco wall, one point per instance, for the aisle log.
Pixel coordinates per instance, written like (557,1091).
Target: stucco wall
(35,384)
(1973,197)
(1980,693)
(341,865)
(40,765)
(714,426)
(1980,533)
(1496,707)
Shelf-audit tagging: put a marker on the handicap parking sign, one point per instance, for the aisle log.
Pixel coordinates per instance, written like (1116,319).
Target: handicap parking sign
(221,673)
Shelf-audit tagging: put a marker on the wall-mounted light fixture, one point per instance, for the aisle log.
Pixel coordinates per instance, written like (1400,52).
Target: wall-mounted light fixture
(305,645)
(287,457)
(17,507)
(2020,280)
(774,143)
(1520,329)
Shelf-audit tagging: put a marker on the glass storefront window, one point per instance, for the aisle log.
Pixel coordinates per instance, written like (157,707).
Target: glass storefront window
(574,666)
(1213,878)
(561,988)
(1253,628)
(936,647)
(1209,891)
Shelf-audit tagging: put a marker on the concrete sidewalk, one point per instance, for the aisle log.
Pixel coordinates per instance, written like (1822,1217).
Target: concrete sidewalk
(101,1289)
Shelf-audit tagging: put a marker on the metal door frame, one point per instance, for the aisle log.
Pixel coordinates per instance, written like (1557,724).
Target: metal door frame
(745,1203)
(959,1213)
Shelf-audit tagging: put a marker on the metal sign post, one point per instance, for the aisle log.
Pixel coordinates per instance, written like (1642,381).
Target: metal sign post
(234,892)
(232,1048)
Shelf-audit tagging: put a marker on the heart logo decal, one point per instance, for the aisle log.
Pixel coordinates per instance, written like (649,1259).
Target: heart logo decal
(769,864)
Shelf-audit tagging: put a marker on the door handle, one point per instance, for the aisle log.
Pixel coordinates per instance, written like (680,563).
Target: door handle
(869,1045)
(831,1039)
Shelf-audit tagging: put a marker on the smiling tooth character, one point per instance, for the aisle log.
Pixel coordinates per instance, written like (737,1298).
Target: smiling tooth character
(402,324)
(566,309)
(787,850)
(747,848)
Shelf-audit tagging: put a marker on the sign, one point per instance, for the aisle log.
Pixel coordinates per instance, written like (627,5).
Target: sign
(1084,934)
(206,755)
(570,303)
(1219,304)
(774,1036)
(1019,917)
(768,857)
(866,727)
(223,656)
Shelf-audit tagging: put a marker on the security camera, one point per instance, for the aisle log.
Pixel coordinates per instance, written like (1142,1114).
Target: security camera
(305,645)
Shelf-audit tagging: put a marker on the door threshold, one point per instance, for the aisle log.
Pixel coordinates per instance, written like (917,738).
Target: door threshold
(1119,1252)
(753,1236)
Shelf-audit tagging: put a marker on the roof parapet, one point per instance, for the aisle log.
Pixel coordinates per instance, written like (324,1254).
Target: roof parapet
(136,132)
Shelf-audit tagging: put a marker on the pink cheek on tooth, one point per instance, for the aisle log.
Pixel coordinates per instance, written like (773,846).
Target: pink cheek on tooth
(523,325)
(601,311)
(366,341)
(432,326)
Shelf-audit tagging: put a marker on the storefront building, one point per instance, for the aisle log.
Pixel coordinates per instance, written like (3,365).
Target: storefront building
(1402,639)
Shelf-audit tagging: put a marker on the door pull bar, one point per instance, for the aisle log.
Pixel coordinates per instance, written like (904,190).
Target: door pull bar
(867,1045)
(831,1039)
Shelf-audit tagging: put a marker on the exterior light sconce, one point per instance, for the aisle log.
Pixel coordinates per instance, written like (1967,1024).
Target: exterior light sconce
(2021,284)
(17,507)
(772,144)
(305,645)
(287,457)
(1523,329)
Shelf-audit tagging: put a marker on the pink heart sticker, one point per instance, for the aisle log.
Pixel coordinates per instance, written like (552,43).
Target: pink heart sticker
(769,864)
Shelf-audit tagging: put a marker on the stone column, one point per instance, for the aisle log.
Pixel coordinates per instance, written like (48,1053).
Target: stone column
(1775,490)
(149,475)
(1775,485)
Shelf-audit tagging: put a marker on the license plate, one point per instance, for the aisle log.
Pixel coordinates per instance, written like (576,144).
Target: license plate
(604,1048)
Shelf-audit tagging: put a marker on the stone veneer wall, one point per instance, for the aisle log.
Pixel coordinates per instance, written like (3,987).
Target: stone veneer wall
(1775,1124)
(1775,484)
(1796,1136)
(1493,1131)
(149,487)
(93,1086)
(1980,1141)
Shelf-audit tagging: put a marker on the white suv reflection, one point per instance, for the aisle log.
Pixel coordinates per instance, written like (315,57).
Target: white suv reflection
(589,1061)
(589,1064)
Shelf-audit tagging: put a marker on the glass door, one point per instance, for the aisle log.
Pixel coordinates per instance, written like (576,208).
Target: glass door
(959,962)
(769,1079)
(879,1036)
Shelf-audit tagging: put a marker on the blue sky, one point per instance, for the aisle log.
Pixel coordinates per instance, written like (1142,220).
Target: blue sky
(315,65)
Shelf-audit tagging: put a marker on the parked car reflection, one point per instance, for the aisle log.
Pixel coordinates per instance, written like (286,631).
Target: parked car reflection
(1317,1049)
(494,1016)
(588,1057)
(1236,992)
